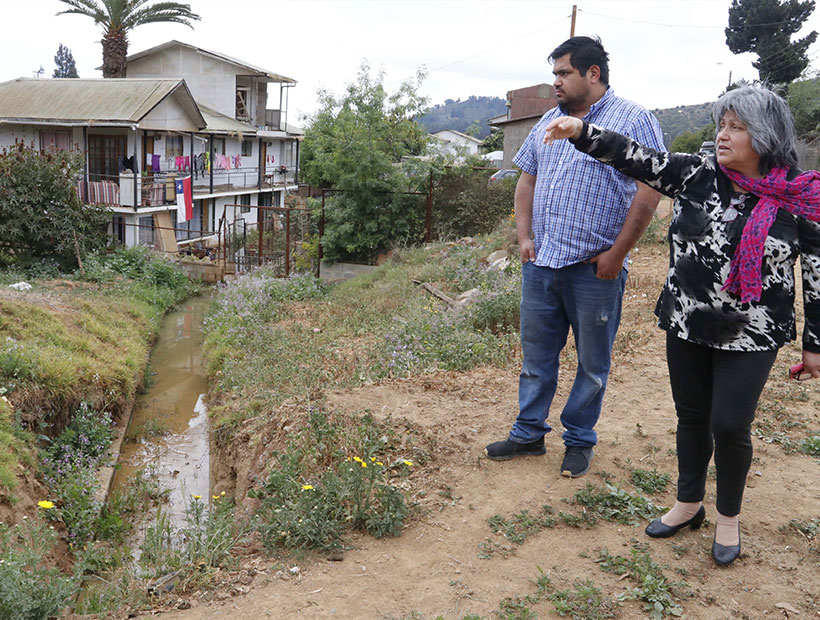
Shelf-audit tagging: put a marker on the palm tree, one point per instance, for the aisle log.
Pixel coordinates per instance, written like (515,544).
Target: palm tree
(119,17)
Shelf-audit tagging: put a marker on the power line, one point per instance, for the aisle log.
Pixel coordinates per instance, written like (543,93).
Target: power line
(524,36)
(639,21)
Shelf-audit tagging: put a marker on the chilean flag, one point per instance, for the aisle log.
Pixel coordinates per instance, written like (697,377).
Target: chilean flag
(185,199)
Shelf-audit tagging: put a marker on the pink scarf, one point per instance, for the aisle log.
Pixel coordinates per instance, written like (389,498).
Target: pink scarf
(800,196)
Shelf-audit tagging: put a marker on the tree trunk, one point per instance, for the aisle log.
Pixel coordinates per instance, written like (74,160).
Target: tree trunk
(115,49)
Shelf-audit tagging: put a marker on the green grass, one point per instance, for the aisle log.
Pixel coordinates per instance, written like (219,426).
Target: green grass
(650,481)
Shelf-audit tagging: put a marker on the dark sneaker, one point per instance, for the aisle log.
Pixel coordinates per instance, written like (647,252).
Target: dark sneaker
(576,461)
(507,449)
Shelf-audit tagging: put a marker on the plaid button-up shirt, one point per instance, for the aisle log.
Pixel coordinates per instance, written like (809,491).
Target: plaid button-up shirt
(580,204)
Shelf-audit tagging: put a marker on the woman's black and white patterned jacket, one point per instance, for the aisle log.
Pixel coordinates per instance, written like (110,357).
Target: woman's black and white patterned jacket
(703,235)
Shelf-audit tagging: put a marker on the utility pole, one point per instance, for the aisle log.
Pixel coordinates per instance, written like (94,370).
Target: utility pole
(572,24)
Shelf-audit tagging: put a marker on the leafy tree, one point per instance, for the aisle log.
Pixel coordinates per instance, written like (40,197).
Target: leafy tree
(493,142)
(691,141)
(804,101)
(65,63)
(42,215)
(765,27)
(356,143)
(119,17)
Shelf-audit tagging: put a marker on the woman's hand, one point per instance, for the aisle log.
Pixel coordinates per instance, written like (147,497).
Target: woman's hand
(811,363)
(562,128)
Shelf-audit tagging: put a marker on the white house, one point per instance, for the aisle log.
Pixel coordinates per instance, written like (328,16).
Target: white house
(456,143)
(181,111)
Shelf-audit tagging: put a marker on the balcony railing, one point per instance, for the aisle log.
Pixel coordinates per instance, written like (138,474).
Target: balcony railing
(159,189)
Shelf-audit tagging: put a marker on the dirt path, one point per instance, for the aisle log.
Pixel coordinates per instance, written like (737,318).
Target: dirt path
(439,566)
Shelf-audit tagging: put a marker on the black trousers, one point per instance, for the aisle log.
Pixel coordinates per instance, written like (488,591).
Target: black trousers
(715,394)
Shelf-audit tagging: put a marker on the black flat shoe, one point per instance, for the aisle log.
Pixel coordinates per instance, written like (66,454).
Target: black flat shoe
(658,529)
(726,554)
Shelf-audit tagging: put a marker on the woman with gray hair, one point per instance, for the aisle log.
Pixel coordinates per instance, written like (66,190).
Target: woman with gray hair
(742,216)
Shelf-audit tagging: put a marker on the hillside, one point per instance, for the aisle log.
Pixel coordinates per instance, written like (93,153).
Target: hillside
(674,121)
(459,115)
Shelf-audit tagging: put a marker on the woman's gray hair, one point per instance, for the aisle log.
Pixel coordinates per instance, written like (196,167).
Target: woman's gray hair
(768,120)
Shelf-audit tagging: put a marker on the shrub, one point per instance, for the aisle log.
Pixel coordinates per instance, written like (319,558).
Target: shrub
(314,492)
(464,204)
(43,217)
(70,470)
(32,588)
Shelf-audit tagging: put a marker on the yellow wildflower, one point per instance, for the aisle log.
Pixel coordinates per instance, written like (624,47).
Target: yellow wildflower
(364,464)
(215,497)
(307,487)
(379,464)
(196,496)
(357,459)
(409,463)
(45,504)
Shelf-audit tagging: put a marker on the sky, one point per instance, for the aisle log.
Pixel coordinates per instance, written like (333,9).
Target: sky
(663,53)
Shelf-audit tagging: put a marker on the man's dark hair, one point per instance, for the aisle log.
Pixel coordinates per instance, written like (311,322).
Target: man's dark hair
(583,53)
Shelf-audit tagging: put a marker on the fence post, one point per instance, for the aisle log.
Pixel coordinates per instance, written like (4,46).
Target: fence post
(428,217)
(287,243)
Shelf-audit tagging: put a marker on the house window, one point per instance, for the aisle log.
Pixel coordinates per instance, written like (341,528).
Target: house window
(219,145)
(59,140)
(173,146)
(146,228)
(243,100)
(247,148)
(104,154)
(245,201)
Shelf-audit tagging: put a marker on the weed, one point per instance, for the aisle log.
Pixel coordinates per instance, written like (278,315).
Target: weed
(650,481)
(32,587)
(584,520)
(69,467)
(811,446)
(613,504)
(653,588)
(199,549)
(315,492)
(520,525)
(583,602)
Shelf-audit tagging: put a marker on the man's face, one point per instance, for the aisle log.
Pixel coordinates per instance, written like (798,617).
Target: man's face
(571,87)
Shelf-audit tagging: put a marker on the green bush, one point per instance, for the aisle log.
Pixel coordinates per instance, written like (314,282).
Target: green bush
(70,471)
(44,220)
(32,588)
(314,492)
(465,205)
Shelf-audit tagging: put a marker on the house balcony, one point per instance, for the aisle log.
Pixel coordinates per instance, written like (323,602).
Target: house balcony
(158,189)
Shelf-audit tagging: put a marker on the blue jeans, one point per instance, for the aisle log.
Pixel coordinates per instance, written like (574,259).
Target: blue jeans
(552,301)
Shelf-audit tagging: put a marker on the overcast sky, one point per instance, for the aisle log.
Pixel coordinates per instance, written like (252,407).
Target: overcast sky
(663,53)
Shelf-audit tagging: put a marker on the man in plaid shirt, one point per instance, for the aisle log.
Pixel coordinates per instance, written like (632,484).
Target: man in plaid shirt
(576,220)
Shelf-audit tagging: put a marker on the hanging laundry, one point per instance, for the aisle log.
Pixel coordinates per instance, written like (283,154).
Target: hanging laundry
(155,163)
(237,161)
(187,162)
(207,161)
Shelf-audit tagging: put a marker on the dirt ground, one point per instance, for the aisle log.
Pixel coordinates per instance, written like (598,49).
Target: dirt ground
(437,568)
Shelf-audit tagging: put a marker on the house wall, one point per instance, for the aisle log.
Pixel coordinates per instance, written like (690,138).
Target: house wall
(30,135)
(515,132)
(212,81)
(168,115)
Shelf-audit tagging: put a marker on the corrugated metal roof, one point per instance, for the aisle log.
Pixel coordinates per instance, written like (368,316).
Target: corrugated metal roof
(274,77)
(219,123)
(83,101)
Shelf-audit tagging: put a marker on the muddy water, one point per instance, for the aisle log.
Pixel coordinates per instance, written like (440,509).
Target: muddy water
(167,434)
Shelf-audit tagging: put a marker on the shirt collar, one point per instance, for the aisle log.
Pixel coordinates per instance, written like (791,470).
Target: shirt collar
(607,96)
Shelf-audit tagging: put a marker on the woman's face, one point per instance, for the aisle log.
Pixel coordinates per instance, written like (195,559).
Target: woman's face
(734,146)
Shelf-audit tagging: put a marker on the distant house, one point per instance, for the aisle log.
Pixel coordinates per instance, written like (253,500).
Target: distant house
(525,107)
(456,143)
(182,111)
